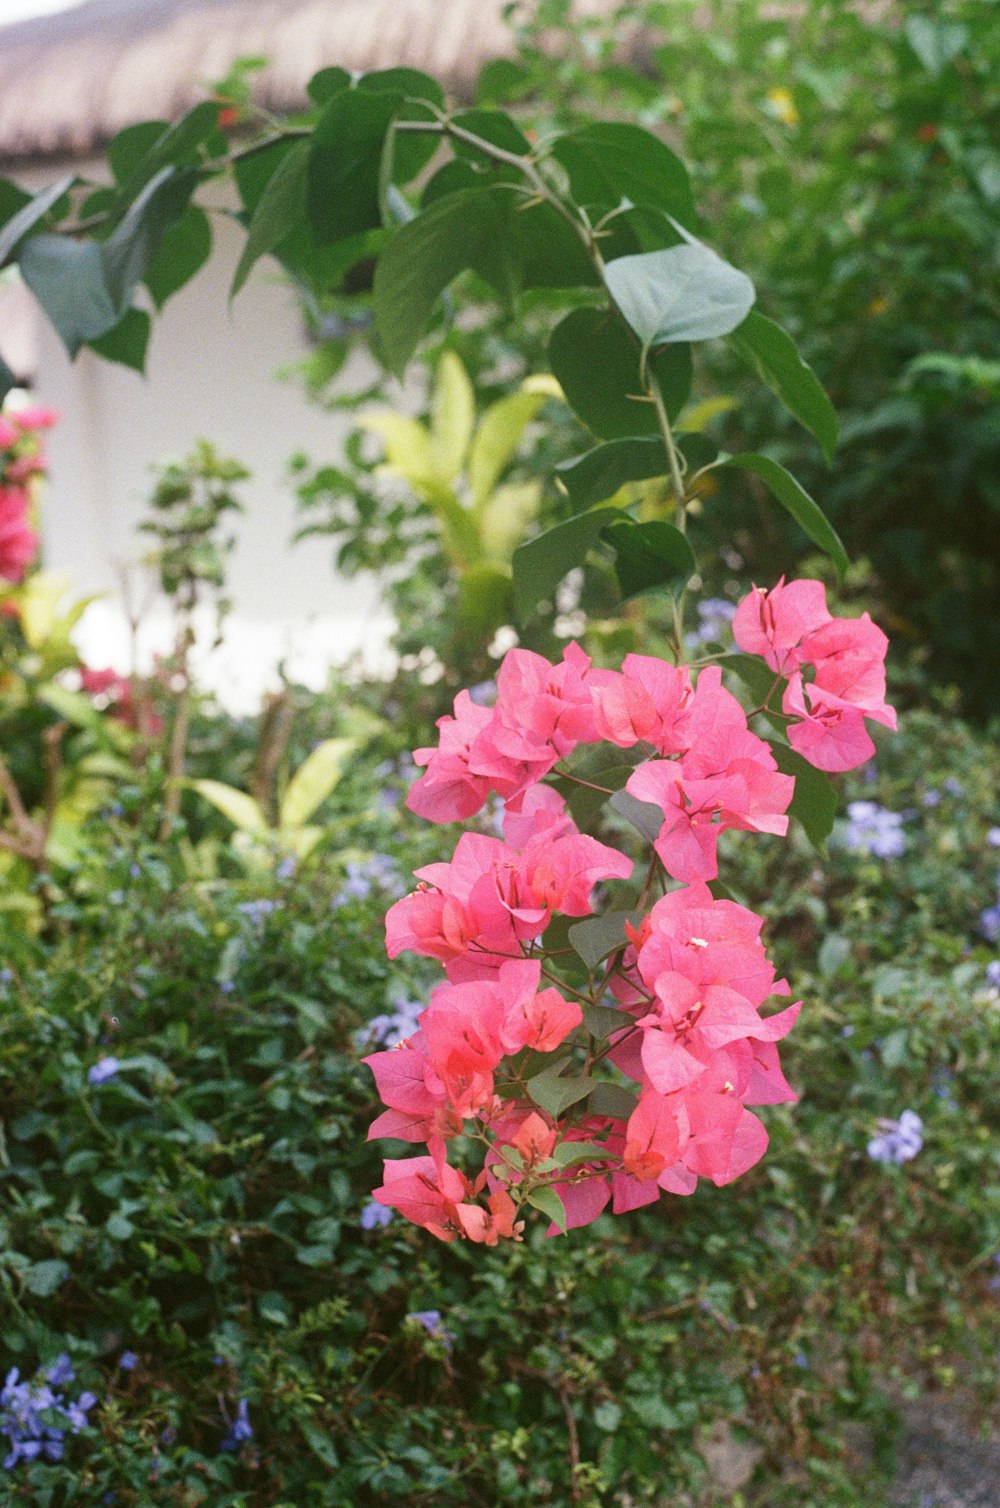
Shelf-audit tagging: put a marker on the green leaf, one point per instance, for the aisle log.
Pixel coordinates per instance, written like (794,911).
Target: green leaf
(795,500)
(608,1416)
(757,677)
(326,83)
(279,207)
(132,146)
(127,342)
(613,1100)
(119,1227)
(596,360)
(344,162)
(594,939)
(242,810)
(314,780)
(773,355)
(541,563)
(597,475)
(184,249)
(611,161)
(485,601)
(67,278)
(935,42)
(646,818)
(603,1020)
(651,557)
(29,215)
(7,379)
(129,252)
(569,1152)
(175,146)
(460,231)
(496,439)
(684,293)
(548,1201)
(555,1094)
(319,1440)
(814,803)
(45,1278)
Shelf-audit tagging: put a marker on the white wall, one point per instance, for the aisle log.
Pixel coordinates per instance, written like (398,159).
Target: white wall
(210,373)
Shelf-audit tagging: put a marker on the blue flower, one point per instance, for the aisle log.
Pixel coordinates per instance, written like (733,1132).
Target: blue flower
(897,1141)
(375,1215)
(287,868)
(241,1429)
(932,798)
(874,830)
(989,922)
(104,1068)
(61,1371)
(135,871)
(484,693)
(389,1029)
(257,910)
(431,1321)
(128,1361)
(993,837)
(993,973)
(954,787)
(715,615)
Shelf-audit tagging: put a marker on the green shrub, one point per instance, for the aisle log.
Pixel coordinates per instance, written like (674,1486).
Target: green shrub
(199,1210)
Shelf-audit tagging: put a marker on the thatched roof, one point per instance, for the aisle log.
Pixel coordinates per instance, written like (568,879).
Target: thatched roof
(70,81)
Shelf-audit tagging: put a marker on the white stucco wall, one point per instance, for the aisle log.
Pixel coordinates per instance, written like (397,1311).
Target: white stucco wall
(211,372)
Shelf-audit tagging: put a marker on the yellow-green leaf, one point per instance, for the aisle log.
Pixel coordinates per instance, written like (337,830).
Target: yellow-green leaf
(242,810)
(453,414)
(505,517)
(496,440)
(315,779)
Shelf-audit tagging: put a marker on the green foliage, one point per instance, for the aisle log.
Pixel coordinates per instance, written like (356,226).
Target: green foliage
(201,1206)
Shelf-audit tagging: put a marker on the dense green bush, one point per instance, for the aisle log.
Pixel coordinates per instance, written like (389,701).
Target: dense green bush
(847,159)
(190,1227)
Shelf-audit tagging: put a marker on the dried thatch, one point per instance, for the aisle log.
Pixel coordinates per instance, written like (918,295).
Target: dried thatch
(69,81)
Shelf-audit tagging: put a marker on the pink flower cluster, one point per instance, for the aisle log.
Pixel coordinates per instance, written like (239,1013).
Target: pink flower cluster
(611,1081)
(21,460)
(791,627)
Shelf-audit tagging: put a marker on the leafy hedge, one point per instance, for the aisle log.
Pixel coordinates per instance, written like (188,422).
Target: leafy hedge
(189,1225)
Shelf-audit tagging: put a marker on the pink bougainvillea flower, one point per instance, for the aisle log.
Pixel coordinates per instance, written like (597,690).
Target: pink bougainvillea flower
(449,791)
(647,703)
(539,1019)
(34,416)
(487,1226)
(849,656)
(18,541)
(426,1191)
(542,710)
(773,624)
(9,434)
(562,872)
(539,809)
(832,735)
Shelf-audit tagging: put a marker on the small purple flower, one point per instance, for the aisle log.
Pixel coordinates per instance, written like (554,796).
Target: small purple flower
(374,1216)
(103,1069)
(847,1031)
(874,830)
(431,1321)
(993,837)
(287,867)
(6,976)
(135,871)
(61,1371)
(391,1028)
(429,1318)
(802,1360)
(128,1361)
(993,973)
(241,1429)
(954,787)
(256,911)
(897,1141)
(989,922)
(715,615)
(116,897)
(484,693)
(932,798)
(226,986)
